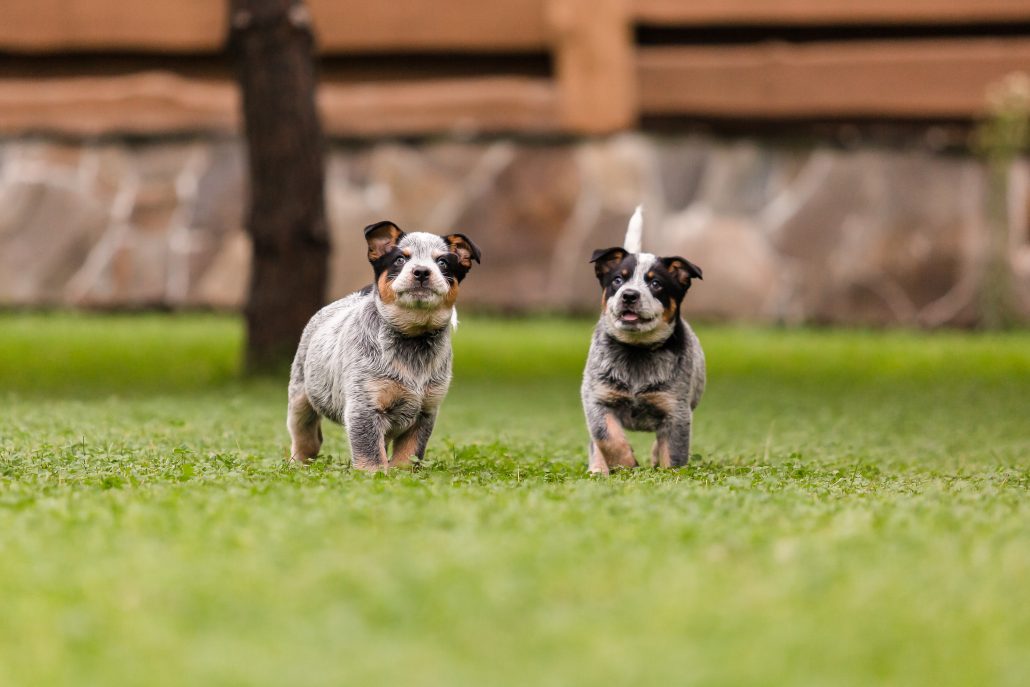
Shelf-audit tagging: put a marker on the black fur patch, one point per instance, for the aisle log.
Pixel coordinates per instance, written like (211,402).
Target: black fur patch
(681,269)
(605,260)
(451,267)
(464,248)
(388,263)
(617,273)
(664,286)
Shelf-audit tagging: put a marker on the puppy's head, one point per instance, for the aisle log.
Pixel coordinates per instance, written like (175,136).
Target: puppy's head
(417,274)
(641,293)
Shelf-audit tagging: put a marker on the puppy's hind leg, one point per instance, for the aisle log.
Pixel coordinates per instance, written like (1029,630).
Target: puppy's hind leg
(305,428)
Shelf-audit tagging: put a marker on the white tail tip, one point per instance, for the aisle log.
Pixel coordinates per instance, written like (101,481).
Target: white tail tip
(635,232)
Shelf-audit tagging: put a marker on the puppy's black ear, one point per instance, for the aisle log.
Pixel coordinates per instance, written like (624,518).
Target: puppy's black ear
(464,248)
(605,260)
(682,270)
(382,237)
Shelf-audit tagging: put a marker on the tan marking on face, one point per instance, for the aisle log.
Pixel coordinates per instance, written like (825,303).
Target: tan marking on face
(616,450)
(385,289)
(669,313)
(452,296)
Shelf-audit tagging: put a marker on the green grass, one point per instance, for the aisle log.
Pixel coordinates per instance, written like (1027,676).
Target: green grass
(858,513)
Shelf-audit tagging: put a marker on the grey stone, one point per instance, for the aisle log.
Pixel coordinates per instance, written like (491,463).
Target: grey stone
(783,234)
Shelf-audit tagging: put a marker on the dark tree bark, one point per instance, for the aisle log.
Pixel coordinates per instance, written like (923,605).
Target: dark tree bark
(273,47)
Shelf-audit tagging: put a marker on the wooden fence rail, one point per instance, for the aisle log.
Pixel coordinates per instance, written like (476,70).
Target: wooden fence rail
(601,80)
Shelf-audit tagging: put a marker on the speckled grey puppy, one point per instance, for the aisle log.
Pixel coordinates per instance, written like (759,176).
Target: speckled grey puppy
(645,370)
(379,360)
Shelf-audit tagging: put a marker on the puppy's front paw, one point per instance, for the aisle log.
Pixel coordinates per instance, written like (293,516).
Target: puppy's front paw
(368,464)
(299,455)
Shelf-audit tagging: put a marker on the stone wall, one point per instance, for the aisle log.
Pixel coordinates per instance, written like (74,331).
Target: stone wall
(784,234)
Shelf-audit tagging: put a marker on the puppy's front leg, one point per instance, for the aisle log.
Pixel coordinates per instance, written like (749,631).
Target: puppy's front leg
(609,447)
(672,443)
(366,429)
(413,442)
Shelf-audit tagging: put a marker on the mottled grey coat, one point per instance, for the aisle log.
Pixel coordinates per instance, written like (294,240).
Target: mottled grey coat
(379,361)
(646,369)
(644,389)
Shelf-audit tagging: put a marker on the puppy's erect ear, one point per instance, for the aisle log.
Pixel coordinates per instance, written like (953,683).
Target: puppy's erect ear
(382,237)
(607,259)
(682,270)
(464,248)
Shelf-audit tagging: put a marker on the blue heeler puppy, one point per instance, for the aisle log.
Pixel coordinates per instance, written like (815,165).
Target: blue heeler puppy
(646,370)
(379,360)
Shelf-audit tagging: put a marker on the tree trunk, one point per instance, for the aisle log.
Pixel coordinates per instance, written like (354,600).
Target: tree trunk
(272,44)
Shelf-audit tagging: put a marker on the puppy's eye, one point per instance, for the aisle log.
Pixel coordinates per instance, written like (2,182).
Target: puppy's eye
(617,281)
(442,263)
(400,260)
(656,285)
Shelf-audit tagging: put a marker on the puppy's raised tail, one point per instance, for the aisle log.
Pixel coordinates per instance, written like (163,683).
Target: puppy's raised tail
(635,232)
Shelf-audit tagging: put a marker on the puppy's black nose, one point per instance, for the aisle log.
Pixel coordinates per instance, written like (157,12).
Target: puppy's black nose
(421,273)
(630,296)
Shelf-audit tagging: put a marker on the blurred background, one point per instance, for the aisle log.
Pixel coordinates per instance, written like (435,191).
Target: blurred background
(824,161)
(183,181)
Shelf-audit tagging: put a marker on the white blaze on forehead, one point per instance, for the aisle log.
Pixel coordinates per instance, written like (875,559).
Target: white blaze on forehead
(422,244)
(645,263)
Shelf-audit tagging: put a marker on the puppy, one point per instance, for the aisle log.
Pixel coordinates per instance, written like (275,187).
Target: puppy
(646,369)
(379,360)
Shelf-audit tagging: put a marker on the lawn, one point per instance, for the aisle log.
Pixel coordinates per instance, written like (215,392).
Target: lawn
(857,513)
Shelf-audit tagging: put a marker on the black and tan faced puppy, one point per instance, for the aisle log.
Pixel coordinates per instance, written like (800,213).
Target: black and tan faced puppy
(379,360)
(646,369)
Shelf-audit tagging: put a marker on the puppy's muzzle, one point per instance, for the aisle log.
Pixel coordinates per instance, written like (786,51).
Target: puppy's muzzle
(421,275)
(629,308)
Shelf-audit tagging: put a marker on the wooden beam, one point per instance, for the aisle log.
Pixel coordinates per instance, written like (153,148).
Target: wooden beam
(474,105)
(905,79)
(175,26)
(430,25)
(149,102)
(802,12)
(162,103)
(593,54)
(39,26)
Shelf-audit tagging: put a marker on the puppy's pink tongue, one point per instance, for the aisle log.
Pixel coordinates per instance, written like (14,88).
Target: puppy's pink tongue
(630,316)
